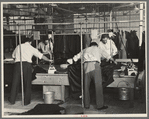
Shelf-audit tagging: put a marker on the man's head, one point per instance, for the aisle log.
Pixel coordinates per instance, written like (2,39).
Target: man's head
(93,44)
(46,41)
(29,40)
(104,38)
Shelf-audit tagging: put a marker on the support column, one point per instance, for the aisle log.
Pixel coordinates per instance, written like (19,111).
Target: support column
(141,23)
(82,82)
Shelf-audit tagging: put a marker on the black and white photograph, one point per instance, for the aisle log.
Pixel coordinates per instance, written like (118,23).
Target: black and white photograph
(74,59)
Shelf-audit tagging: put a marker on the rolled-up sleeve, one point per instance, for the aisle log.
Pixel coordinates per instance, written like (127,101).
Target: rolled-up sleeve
(14,53)
(76,57)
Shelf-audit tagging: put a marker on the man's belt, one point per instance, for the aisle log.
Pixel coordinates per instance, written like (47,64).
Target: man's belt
(91,61)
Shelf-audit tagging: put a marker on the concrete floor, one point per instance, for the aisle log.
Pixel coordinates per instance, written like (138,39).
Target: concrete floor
(73,106)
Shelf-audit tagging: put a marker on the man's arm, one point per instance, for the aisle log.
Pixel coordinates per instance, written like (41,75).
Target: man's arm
(114,49)
(40,55)
(51,46)
(46,59)
(107,56)
(75,58)
(14,53)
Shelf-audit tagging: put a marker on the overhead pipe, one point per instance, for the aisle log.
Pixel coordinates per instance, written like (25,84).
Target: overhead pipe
(75,23)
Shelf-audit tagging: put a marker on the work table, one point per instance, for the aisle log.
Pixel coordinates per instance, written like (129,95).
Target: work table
(60,83)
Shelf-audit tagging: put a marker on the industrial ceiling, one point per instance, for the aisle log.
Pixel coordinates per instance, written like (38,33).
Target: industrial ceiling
(62,10)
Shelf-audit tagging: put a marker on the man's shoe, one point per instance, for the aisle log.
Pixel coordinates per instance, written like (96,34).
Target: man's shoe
(104,107)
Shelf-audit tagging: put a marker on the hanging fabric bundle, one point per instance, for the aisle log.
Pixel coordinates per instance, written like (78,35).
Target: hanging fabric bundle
(122,52)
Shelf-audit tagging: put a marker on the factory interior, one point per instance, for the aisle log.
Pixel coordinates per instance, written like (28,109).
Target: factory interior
(57,87)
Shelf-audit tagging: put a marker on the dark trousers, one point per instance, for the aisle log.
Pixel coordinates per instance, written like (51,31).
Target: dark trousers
(27,78)
(92,71)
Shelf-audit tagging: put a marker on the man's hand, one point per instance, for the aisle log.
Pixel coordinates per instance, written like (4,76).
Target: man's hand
(46,59)
(51,61)
(45,53)
(70,61)
(115,62)
(49,52)
(111,59)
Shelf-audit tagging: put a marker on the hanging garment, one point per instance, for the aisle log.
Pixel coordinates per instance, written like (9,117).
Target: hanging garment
(73,44)
(74,76)
(86,40)
(66,46)
(107,72)
(141,64)
(123,41)
(74,70)
(132,44)
(116,40)
(58,44)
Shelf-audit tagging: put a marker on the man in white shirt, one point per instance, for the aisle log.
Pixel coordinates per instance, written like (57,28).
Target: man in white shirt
(109,47)
(27,52)
(91,61)
(46,47)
